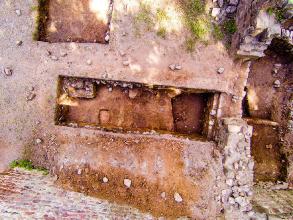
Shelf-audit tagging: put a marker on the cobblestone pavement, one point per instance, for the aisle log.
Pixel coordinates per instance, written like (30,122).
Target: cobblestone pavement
(32,195)
(276,204)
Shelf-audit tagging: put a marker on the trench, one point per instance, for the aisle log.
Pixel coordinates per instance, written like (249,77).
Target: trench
(84,21)
(131,107)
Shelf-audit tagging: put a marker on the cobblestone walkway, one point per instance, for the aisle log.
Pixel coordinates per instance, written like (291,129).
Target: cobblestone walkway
(31,195)
(276,204)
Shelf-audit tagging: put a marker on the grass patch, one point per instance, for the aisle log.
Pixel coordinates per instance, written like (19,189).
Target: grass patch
(190,44)
(230,26)
(278,13)
(27,165)
(217,33)
(34,8)
(162,32)
(144,16)
(41,20)
(197,21)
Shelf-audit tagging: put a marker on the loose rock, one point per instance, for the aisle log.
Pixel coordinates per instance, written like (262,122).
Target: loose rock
(107,38)
(126,63)
(127,182)
(89,62)
(18,12)
(221,70)
(216,12)
(7,71)
(172,67)
(39,141)
(19,43)
(177,197)
(277,83)
(163,195)
(105,179)
(31,96)
(231,9)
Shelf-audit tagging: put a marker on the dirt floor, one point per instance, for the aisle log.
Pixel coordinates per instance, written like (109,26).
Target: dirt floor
(77,21)
(28,96)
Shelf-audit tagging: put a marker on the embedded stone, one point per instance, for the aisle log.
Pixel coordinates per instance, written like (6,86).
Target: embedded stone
(127,182)
(177,197)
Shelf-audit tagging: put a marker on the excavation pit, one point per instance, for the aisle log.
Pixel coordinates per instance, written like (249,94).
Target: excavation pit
(85,21)
(131,107)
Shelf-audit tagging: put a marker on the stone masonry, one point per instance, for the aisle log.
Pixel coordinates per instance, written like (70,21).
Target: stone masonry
(234,138)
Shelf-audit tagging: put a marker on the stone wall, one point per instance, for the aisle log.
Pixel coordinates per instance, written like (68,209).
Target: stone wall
(234,138)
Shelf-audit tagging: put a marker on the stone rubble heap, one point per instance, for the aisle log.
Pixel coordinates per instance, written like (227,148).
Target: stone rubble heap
(224,9)
(234,138)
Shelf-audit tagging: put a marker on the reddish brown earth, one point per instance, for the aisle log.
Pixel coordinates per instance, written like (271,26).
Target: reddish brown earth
(267,153)
(272,103)
(189,113)
(77,21)
(112,106)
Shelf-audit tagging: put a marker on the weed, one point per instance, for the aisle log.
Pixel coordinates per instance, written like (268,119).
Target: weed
(199,28)
(162,32)
(144,16)
(34,8)
(27,165)
(190,44)
(278,13)
(230,26)
(217,33)
(161,15)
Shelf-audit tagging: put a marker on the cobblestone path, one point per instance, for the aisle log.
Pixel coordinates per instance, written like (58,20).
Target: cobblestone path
(32,195)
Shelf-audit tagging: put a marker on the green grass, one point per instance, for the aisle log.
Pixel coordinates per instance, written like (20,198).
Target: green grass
(144,16)
(217,33)
(278,13)
(161,15)
(230,26)
(27,165)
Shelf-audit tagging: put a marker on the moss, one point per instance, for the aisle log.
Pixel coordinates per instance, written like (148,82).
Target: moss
(27,165)
(41,20)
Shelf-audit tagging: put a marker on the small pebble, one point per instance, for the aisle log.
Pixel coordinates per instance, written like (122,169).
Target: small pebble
(31,96)
(127,182)
(277,83)
(54,58)
(178,67)
(107,38)
(105,179)
(126,63)
(110,89)
(172,67)
(163,195)
(89,62)
(124,34)
(19,43)
(8,71)
(18,12)
(79,171)
(221,70)
(177,197)
(39,141)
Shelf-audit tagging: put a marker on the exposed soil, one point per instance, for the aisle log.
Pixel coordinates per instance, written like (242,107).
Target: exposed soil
(77,21)
(130,107)
(189,112)
(267,154)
